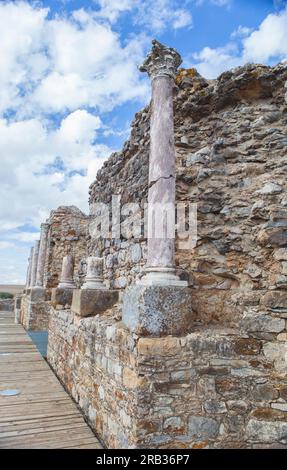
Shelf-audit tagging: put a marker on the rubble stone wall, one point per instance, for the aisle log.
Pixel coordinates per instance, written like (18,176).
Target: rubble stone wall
(230,137)
(68,234)
(214,388)
(34,311)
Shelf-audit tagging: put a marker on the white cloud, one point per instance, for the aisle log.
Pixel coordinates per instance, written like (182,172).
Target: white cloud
(4,245)
(267,43)
(241,31)
(157,15)
(25,237)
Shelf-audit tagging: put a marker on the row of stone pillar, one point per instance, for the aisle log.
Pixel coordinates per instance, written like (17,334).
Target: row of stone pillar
(160,302)
(36,261)
(94,275)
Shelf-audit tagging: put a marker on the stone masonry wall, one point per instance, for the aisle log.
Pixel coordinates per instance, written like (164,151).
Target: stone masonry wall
(231,142)
(67,235)
(213,388)
(34,311)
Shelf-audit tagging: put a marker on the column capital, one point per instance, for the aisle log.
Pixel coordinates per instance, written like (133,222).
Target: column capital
(161,61)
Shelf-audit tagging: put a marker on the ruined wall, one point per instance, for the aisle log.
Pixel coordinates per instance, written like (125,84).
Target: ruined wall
(6,304)
(222,384)
(68,234)
(230,137)
(213,388)
(34,310)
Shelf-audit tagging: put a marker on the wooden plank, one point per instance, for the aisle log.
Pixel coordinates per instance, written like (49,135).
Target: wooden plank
(42,415)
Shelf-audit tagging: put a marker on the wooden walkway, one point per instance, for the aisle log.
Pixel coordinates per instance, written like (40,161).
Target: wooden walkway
(35,410)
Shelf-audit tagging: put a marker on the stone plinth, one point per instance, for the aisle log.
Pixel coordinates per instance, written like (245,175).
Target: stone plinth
(157,310)
(91,302)
(61,296)
(35,309)
(37,294)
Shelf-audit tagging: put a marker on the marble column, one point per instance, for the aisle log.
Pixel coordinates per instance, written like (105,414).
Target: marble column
(94,276)
(42,254)
(161,65)
(28,277)
(160,303)
(34,263)
(67,274)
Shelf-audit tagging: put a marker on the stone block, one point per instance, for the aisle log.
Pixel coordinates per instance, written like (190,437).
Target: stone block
(37,294)
(200,427)
(61,296)
(275,300)
(266,323)
(168,346)
(157,310)
(91,302)
(267,431)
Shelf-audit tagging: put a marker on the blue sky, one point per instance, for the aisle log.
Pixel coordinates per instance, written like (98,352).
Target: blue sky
(69,88)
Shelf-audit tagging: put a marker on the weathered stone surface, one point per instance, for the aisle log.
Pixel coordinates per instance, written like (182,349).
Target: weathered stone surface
(167,346)
(157,310)
(37,294)
(266,323)
(200,427)
(266,431)
(276,300)
(277,353)
(87,302)
(265,392)
(61,297)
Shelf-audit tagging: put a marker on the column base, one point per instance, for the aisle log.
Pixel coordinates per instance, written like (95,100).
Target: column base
(94,284)
(67,285)
(157,310)
(91,302)
(161,277)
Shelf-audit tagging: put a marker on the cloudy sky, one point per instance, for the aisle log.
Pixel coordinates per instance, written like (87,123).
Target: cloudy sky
(69,87)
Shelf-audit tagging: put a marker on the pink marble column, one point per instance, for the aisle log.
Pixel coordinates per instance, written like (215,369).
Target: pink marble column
(42,254)
(34,263)
(28,277)
(161,65)
(67,274)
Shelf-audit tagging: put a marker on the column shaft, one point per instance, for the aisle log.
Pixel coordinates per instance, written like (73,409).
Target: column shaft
(42,255)
(34,263)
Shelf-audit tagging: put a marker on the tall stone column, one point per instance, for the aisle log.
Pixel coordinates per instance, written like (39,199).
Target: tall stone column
(161,65)
(160,304)
(42,254)
(34,263)
(28,276)
(67,274)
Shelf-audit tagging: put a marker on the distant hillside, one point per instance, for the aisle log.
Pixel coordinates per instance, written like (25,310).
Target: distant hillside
(12,289)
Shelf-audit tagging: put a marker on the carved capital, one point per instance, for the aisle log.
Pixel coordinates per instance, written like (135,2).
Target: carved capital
(161,61)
